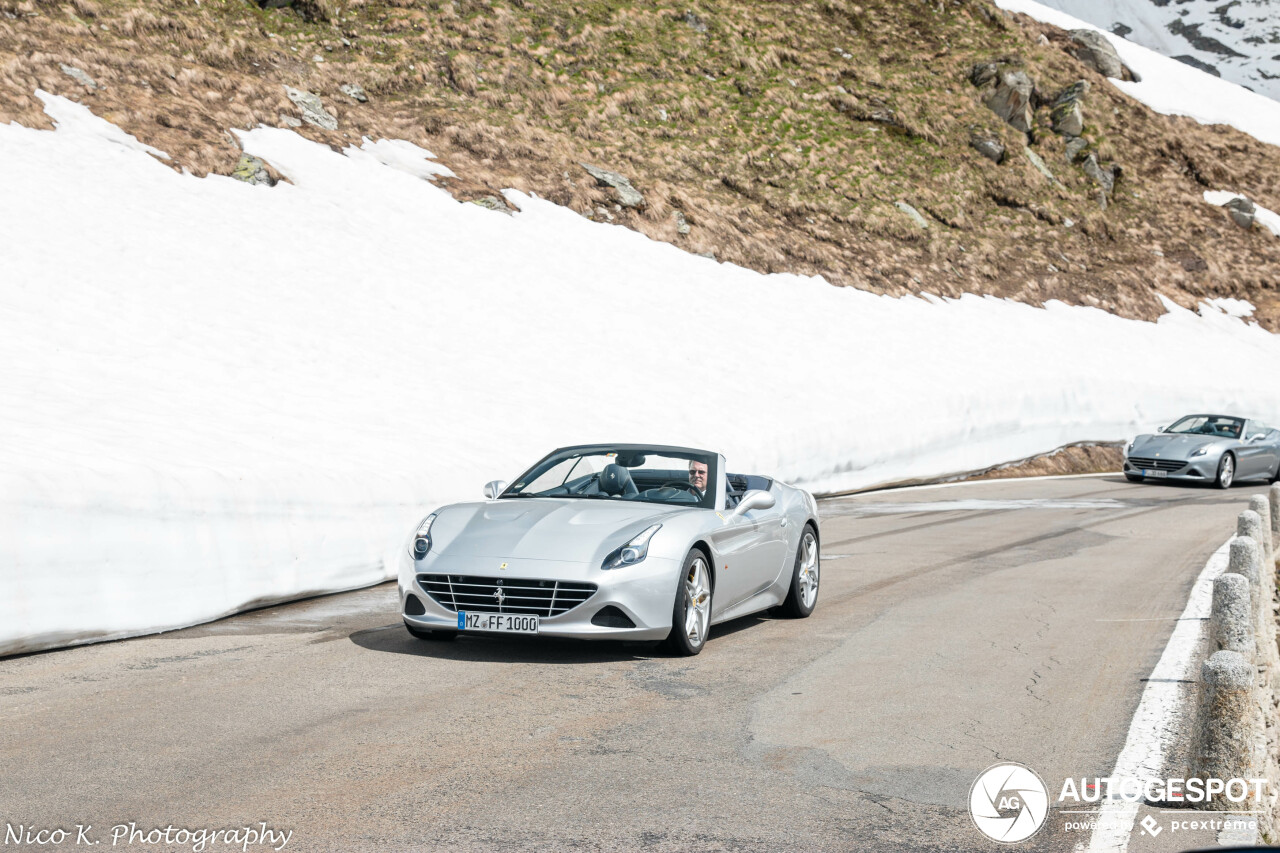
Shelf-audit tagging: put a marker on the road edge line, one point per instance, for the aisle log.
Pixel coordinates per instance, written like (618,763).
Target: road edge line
(1152,731)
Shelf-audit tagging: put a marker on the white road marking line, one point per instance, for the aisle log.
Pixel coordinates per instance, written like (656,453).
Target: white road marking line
(1152,619)
(954,483)
(1154,723)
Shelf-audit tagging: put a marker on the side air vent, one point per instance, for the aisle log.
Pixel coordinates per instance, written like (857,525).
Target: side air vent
(612,617)
(413,606)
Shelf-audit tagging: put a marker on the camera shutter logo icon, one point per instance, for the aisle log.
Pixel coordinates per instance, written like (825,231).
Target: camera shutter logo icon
(1008,802)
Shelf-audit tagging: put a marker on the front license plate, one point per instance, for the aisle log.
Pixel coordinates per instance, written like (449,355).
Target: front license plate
(505,623)
(1147,472)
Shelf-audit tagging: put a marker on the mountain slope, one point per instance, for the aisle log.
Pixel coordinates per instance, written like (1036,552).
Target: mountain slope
(834,139)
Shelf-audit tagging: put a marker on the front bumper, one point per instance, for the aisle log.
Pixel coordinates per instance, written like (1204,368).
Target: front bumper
(644,592)
(1202,469)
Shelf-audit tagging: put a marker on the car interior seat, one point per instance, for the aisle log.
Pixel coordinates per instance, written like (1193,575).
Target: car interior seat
(616,480)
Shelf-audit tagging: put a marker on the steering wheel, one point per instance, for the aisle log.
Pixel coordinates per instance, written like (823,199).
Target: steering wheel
(683,484)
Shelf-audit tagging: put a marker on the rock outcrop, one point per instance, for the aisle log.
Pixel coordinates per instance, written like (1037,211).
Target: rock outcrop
(1094,50)
(313,111)
(628,196)
(988,146)
(253,170)
(1242,212)
(1007,93)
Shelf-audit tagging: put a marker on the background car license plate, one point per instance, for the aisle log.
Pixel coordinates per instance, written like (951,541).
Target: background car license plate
(1147,472)
(506,623)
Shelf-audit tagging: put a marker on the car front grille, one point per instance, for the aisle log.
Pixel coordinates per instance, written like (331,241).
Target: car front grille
(1156,464)
(518,595)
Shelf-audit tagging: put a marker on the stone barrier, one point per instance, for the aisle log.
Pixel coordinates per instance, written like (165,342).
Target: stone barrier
(1227,723)
(1275,512)
(1262,506)
(1233,616)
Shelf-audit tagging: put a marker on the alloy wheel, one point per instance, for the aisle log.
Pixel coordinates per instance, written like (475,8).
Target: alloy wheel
(697,597)
(809,569)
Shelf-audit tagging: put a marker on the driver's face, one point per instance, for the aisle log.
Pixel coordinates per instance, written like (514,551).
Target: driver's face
(698,475)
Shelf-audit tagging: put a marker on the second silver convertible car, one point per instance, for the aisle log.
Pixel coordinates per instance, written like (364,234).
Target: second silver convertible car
(1217,449)
(619,541)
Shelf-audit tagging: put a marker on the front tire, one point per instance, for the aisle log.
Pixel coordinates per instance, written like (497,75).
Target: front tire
(803,595)
(438,636)
(1226,472)
(691,614)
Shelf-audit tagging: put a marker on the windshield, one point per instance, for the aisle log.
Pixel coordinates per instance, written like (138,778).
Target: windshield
(622,473)
(1218,425)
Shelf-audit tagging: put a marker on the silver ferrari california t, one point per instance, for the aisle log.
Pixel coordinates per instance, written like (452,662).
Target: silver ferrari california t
(1216,449)
(613,541)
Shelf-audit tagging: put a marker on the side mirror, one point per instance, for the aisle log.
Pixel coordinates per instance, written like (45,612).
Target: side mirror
(1160,429)
(493,488)
(1257,436)
(754,499)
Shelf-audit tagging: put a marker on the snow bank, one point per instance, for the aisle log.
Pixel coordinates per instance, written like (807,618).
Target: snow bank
(1172,88)
(219,394)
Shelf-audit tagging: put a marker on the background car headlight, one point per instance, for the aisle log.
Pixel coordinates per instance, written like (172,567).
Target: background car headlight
(1200,451)
(422,538)
(633,552)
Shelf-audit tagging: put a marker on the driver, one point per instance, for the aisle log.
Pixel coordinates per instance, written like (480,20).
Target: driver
(698,476)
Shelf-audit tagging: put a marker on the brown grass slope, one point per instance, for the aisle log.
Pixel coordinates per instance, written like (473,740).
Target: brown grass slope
(782,132)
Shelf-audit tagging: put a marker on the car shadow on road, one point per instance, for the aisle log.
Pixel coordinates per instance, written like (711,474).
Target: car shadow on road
(394,639)
(1190,485)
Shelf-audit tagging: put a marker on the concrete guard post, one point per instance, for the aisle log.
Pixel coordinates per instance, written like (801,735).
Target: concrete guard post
(1262,506)
(1274,492)
(1227,743)
(1232,617)
(1245,559)
(1249,524)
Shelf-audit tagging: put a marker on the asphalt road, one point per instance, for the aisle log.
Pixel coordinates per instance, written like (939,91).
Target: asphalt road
(956,627)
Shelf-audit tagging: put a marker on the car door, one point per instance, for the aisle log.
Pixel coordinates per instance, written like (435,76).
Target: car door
(1268,448)
(1254,455)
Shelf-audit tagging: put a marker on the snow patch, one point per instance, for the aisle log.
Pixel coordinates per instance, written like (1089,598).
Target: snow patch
(218,396)
(76,119)
(402,155)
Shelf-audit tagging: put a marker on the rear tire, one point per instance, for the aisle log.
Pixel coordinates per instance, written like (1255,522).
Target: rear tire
(691,613)
(1226,472)
(803,595)
(438,636)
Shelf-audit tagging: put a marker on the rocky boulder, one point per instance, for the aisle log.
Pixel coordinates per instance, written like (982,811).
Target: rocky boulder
(313,111)
(988,146)
(1241,211)
(1066,112)
(628,196)
(354,92)
(1094,50)
(252,170)
(1007,93)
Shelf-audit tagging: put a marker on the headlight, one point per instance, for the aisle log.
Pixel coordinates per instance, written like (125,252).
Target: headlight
(633,552)
(1200,451)
(422,538)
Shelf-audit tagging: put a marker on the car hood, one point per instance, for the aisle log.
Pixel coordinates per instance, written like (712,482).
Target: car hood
(571,530)
(1172,446)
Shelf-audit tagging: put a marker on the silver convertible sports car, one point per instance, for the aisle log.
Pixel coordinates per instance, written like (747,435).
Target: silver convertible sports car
(613,541)
(1216,449)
